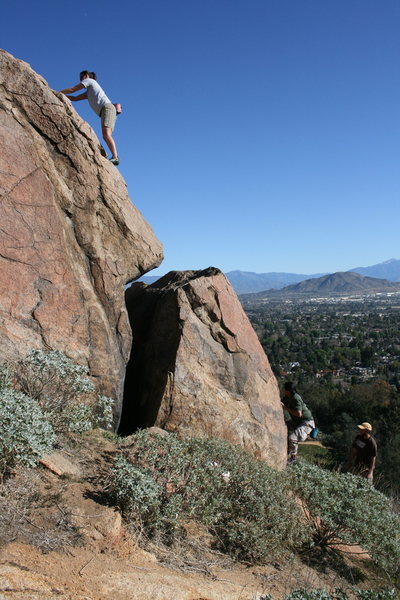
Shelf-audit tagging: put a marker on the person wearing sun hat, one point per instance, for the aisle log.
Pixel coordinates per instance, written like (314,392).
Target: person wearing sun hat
(363,452)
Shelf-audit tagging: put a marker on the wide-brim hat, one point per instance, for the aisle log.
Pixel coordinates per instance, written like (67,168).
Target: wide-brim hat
(367,426)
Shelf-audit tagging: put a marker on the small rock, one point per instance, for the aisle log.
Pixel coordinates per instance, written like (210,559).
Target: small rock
(60,465)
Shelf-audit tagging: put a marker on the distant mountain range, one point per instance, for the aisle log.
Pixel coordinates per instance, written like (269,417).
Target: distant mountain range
(349,281)
(246,282)
(335,283)
(390,269)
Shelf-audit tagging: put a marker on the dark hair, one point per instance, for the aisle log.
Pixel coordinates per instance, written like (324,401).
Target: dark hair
(290,387)
(91,74)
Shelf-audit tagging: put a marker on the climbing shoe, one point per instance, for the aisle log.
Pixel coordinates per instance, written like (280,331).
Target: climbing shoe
(115,161)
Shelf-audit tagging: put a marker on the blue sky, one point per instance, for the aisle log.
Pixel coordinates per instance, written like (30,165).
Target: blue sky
(260,135)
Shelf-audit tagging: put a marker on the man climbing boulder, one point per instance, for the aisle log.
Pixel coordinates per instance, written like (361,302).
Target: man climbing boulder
(300,421)
(101,105)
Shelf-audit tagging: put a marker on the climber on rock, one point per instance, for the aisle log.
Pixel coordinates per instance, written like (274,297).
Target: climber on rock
(300,421)
(101,105)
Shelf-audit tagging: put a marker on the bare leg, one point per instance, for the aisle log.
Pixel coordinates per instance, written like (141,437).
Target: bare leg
(293,445)
(109,141)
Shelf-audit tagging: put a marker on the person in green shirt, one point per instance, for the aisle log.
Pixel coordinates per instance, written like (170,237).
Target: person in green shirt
(300,421)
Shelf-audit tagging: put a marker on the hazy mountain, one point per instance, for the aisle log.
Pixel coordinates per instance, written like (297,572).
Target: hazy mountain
(247,282)
(390,269)
(336,283)
(343,282)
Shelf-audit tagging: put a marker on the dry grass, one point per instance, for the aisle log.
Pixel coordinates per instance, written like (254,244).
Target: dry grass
(33,515)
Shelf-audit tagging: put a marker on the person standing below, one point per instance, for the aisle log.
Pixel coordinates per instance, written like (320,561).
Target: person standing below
(301,421)
(363,452)
(101,105)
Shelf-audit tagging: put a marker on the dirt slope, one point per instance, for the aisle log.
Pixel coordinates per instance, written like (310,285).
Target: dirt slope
(105,561)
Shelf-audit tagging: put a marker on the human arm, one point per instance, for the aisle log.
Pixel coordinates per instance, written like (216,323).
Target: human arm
(370,475)
(73,89)
(292,411)
(75,98)
(293,405)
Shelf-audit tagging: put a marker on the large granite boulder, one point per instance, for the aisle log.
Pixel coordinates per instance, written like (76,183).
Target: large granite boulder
(197,367)
(70,238)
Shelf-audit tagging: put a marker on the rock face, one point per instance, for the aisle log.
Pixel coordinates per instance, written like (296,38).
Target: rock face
(70,238)
(197,366)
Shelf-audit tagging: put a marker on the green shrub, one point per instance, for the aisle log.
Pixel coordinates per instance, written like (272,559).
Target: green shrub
(136,490)
(64,391)
(6,376)
(52,375)
(53,393)
(316,594)
(82,417)
(103,415)
(345,509)
(25,434)
(338,594)
(79,417)
(377,594)
(55,381)
(164,481)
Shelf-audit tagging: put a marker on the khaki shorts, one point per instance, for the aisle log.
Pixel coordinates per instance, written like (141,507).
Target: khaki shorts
(108,116)
(301,432)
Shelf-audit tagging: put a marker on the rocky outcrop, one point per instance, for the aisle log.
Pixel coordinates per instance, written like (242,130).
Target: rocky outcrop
(70,238)
(197,366)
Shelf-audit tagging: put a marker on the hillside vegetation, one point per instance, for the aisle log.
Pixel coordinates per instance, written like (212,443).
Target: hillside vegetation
(163,486)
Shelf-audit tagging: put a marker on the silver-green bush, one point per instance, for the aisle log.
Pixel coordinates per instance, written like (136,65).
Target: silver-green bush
(56,382)
(25,433)
(136,490)
(377,594)
(44,393)
(316,594)
(64,391)
(78,417)
(103,415)
(346,509)
(340,594)
(163,481)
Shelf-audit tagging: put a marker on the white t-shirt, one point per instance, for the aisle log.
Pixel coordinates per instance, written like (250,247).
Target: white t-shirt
(96,96)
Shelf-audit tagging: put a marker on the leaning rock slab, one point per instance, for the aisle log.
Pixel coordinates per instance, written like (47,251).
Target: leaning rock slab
(70,238)
(198,368)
